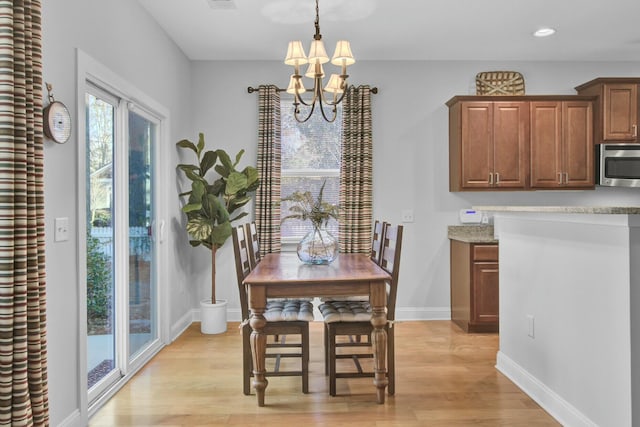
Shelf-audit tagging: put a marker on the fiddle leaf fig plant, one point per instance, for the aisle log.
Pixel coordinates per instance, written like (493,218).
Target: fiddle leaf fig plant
(210,204)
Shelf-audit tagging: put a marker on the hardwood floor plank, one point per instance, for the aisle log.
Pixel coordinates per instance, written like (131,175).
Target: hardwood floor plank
(444,377)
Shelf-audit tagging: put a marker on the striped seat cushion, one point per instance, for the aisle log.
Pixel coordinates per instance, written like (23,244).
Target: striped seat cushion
(346,311)
(289,310)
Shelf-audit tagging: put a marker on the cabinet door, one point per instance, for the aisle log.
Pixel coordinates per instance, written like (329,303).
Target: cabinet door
(578,148)
(485,307)
(620,105)
(476,141)
(546,144)
(510,144)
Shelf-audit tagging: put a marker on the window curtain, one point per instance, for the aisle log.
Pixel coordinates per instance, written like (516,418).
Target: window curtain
(267,209)
(23,345)
(356,172)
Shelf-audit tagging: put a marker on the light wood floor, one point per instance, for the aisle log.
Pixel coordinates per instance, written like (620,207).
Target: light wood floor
(444,378)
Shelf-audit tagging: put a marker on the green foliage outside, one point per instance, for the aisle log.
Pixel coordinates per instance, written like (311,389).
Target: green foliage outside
(99,301)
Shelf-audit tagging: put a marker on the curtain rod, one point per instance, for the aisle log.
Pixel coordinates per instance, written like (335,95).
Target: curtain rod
(250,89)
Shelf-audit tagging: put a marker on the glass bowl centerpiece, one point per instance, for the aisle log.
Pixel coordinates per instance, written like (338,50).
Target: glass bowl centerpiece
(318,246)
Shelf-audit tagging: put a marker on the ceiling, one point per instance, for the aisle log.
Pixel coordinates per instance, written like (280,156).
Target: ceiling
(587,30)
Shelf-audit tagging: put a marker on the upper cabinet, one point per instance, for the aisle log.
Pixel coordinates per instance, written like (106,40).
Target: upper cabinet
(561,144)
(616,109)
(488,145)
(520,142)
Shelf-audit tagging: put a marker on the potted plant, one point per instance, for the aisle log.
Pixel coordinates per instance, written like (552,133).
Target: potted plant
(318,246)
(209,208)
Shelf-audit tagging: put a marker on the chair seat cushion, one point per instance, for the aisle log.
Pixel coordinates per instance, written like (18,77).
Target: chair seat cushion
(289,311)
(345,311)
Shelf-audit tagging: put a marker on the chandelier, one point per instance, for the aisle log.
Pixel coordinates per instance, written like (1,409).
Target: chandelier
(337,85)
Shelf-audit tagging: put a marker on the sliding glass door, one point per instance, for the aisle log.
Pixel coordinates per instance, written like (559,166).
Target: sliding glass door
(122,295)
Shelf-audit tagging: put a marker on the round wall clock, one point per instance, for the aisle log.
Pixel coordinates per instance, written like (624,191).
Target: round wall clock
(57,120)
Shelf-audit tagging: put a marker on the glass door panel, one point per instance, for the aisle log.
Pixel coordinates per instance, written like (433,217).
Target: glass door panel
(142,289)
(101,319)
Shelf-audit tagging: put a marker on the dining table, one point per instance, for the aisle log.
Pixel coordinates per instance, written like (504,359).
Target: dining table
(283,275)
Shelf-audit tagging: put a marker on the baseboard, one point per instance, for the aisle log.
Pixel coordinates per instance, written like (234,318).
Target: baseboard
(183,323)
(423,313)
(565,413)
(73,420)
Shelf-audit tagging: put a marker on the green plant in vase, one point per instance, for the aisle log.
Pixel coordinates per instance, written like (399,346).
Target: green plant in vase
(319,246)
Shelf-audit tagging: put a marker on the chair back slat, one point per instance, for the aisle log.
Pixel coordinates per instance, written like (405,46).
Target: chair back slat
(390,262)
(254,243)
(243,265)
(376,240)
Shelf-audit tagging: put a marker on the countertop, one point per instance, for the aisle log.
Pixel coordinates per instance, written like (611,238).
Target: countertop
(619,210)
(472,233)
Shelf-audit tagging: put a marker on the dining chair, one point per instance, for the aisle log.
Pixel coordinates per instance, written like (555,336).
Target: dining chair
(284,317)
(376,240)
(353,319)
(254,243)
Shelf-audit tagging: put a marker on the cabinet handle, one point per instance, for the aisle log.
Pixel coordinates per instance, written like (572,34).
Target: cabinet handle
(559,177)
(566,178)
(635,130)
(497,178)
(490,178)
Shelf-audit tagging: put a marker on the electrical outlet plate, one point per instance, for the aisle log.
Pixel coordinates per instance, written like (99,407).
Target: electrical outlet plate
(407,215)
(61,232)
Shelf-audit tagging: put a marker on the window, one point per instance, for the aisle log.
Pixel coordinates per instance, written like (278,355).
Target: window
(310,156)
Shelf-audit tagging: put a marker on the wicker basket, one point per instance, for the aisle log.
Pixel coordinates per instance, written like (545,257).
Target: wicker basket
(499,83)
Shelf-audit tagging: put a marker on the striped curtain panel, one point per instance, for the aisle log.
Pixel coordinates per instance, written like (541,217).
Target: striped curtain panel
(267,209)
(356,170)
(23,347)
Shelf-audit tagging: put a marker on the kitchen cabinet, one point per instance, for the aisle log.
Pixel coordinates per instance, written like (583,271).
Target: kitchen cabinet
(523,142)
(474,286)
(616,112)
(561,141)
(488,143)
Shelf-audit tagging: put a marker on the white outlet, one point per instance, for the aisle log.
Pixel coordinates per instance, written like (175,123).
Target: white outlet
(407,215)
(61,232)
(530,324)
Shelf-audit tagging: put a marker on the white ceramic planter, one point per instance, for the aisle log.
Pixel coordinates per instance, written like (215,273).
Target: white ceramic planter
(213,317)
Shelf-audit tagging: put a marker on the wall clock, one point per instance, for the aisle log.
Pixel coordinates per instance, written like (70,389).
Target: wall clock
(57,120)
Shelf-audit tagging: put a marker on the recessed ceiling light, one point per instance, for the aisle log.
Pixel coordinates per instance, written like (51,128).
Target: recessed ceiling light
(544,32)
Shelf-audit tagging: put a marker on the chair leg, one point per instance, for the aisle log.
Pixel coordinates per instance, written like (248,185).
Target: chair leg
(247,363)
(326,349)
(332,360)
(391,361)
(305,358)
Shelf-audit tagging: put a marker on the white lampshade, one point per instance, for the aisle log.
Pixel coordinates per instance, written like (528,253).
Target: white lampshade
(317,52)
(293,82)
(295,54)
(343,55)
(311,71)
(334,85)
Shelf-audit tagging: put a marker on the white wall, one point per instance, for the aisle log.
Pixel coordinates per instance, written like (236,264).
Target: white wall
(120,35)
(410,135)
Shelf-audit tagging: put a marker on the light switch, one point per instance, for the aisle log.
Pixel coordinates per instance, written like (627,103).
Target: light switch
(61,233)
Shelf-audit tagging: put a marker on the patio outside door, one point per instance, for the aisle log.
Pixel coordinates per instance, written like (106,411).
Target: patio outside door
(122,297)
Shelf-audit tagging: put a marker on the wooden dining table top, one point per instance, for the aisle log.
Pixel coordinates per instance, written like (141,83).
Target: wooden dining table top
(286,268)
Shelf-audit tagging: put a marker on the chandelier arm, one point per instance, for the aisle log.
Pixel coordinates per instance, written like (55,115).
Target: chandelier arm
(296,113)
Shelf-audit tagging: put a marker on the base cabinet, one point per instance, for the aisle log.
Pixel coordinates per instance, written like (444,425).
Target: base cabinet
(474,286)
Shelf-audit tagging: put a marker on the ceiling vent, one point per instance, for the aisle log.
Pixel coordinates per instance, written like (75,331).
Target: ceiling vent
(222,4)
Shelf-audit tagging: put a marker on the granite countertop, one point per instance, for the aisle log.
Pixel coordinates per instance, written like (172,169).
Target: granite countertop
(620,210)
(472,233)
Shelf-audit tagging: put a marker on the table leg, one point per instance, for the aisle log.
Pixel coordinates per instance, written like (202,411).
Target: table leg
(379,339)
(258,345)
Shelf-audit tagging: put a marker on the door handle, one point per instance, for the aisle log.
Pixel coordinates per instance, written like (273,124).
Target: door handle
(635,130)
(566,178)
(490,178)
(497,178)
(559,177)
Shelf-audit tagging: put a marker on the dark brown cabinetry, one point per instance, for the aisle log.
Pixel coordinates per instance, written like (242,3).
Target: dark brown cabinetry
(561,144)
(616,111)
(474,286)
(521,142)
(489,142)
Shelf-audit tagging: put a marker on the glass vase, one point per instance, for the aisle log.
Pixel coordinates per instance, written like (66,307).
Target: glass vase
(318,247)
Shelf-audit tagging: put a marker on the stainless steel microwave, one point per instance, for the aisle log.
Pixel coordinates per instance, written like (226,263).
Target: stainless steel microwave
(618,165)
